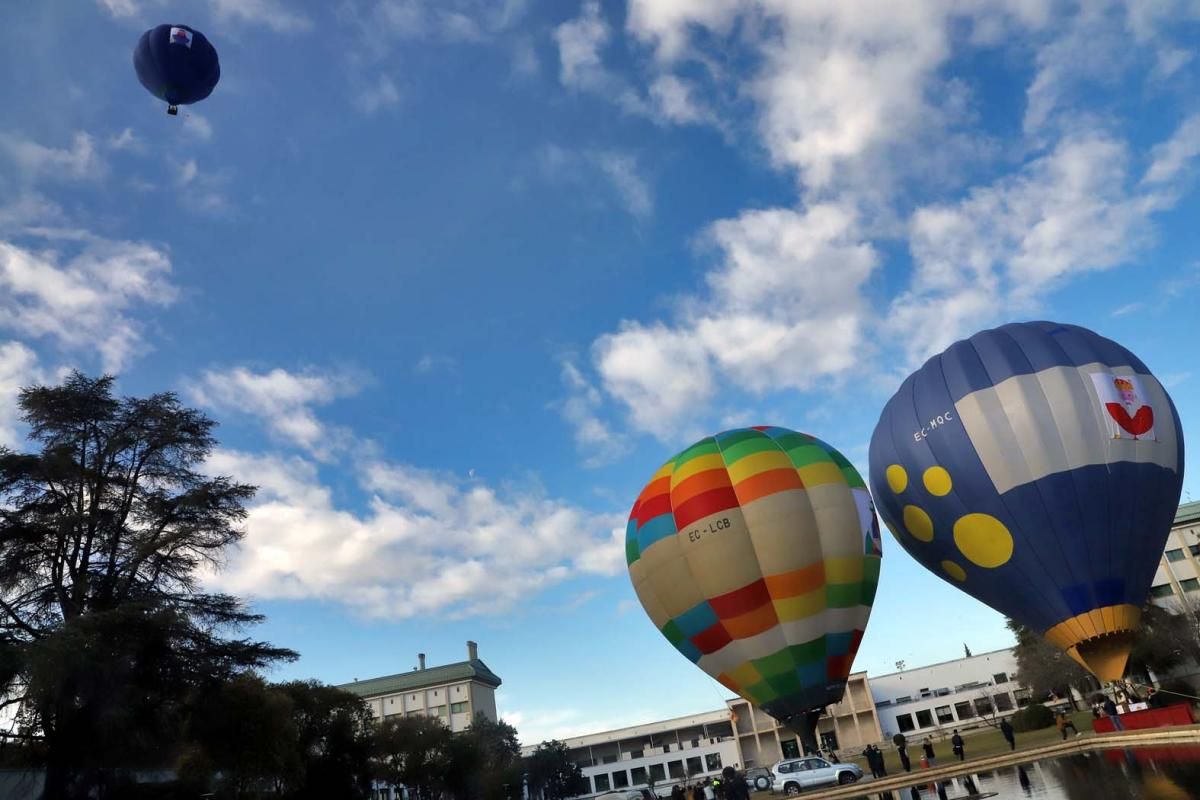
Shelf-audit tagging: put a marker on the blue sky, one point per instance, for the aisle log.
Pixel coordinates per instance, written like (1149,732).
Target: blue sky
(457,276)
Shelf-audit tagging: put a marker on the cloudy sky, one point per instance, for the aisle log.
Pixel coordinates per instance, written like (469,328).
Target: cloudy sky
(456,276)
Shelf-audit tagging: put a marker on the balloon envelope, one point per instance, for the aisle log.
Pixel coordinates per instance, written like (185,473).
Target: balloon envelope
(176,64)
(756,553)
(1037,467)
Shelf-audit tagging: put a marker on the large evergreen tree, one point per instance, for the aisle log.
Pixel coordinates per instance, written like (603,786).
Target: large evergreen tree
(105,629)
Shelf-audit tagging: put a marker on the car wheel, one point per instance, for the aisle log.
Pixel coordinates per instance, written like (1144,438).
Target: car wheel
(792,789)
(844,778)
(762,784)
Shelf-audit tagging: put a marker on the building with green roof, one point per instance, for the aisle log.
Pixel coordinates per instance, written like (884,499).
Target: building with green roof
(454,693)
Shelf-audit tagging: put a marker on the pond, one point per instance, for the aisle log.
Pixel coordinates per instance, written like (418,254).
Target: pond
(1144,773)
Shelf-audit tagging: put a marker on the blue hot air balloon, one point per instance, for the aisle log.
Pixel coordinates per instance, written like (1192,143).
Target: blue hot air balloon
(1037,467)
(176,64)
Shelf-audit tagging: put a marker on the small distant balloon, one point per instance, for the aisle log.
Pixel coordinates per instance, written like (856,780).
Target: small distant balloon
(1038,468)
(176,64)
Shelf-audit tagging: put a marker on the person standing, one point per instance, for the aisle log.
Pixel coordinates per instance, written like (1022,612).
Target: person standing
(1006,728)
(698,792)
(1110,708)
(928,748)
(879,761)
(709,792)
(869,755)
(956,744)
(1063,722)
(904,759)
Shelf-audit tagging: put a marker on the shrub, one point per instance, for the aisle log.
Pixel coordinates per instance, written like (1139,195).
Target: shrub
(1032,717)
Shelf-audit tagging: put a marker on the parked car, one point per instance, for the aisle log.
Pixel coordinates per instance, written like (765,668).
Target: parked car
(796,775)
(758,778)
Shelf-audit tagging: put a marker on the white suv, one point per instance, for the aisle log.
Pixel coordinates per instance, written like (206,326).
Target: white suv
(798,774)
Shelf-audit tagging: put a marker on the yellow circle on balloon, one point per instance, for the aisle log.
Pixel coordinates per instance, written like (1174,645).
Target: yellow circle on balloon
(918,523)
(937,481)
(897,478)
(983,539)
(954,571)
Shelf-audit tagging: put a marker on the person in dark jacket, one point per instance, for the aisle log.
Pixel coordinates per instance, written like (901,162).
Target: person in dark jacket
(869,755)
(677,792)
(956,744)
(928,748)
(905,762)
(1009,735)
(698,792)
(1110,709)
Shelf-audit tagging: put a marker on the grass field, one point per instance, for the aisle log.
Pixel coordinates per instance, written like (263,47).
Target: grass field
(976,744)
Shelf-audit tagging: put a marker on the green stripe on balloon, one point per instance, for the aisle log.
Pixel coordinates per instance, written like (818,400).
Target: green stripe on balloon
(632,551)
(808,454)
(843,595)
(732,453)
(703,447)
(673,633)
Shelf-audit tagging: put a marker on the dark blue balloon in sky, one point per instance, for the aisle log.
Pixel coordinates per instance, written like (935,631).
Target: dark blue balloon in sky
(1037,467)
(176,64)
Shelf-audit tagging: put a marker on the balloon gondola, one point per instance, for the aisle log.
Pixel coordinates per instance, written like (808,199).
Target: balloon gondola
(1037,467)
(756,553)
(176,64)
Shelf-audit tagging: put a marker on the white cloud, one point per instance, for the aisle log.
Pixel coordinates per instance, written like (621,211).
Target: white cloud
(1172,157)
(197,126)
(382,94)
(454,21)
(125,140)
(785,310)
(579,43)
(83,301)
(620,170)
(1002,248)
(430,362)
(675,100)
(28,208)
(283,401)
(18,368)
(426,543)
(594,437)
(274,14)
(120,8)
(80,161)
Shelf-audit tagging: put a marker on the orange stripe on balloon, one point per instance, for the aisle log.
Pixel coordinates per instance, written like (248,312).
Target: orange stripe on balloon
(704,504)
(698,484)
(741,601)
(797,582)
(729,683)
(767,483)
(760,620)
(655,488)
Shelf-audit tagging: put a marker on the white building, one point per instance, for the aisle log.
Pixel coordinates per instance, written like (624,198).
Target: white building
(665,752)
(454,693)
(951,694)
(1177,581)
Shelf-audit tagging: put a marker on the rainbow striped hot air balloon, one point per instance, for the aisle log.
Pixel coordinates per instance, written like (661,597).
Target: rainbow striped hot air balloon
(756,553)
(1037,467)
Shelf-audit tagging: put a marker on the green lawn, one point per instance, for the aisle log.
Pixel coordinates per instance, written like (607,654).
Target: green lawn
(976,743)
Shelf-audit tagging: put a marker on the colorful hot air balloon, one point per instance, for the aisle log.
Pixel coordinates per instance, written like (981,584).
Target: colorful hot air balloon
(176,64)
(1038,468)
(756,553)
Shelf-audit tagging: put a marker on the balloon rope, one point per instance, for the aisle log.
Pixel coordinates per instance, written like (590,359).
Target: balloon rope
(1164,691)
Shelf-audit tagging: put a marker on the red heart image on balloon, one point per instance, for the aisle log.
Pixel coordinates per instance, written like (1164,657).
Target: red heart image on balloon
(1139,423)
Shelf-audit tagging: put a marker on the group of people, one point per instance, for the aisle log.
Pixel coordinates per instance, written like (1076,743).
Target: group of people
(728,786)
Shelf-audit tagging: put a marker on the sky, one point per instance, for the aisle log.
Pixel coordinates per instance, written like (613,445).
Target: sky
(457,276)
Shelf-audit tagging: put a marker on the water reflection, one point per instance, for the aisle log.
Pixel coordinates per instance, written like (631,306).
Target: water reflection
(1148,773)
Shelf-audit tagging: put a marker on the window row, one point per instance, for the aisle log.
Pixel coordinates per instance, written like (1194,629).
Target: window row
(968,709)
(638,776)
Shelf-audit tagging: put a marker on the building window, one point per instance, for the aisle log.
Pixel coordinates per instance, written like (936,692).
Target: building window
(1003,702)
(944,715)
(675,769)
(695,742)
(924,718)
(620,780)
(392,701)
(413,714)
(904,722)
(602,784)
(458,708)
(1023,698)
(983,705)
(658,772)
(1195,549)
(790,748)
(1189,584)
(636,754)
(437,711)
(1000,677)
(638,775)
(1175,555)
(905,699)
(1162,590)
(923,692)
(713,762)
(694,767)
(940,692)
(609,759)
(964,710)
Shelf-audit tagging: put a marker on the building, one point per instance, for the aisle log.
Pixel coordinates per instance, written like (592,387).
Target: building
(962,693)
(669,751)
(851,724)
(1177,581)
(454,693)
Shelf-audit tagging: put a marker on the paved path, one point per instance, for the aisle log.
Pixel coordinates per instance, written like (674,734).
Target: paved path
(1183,734)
